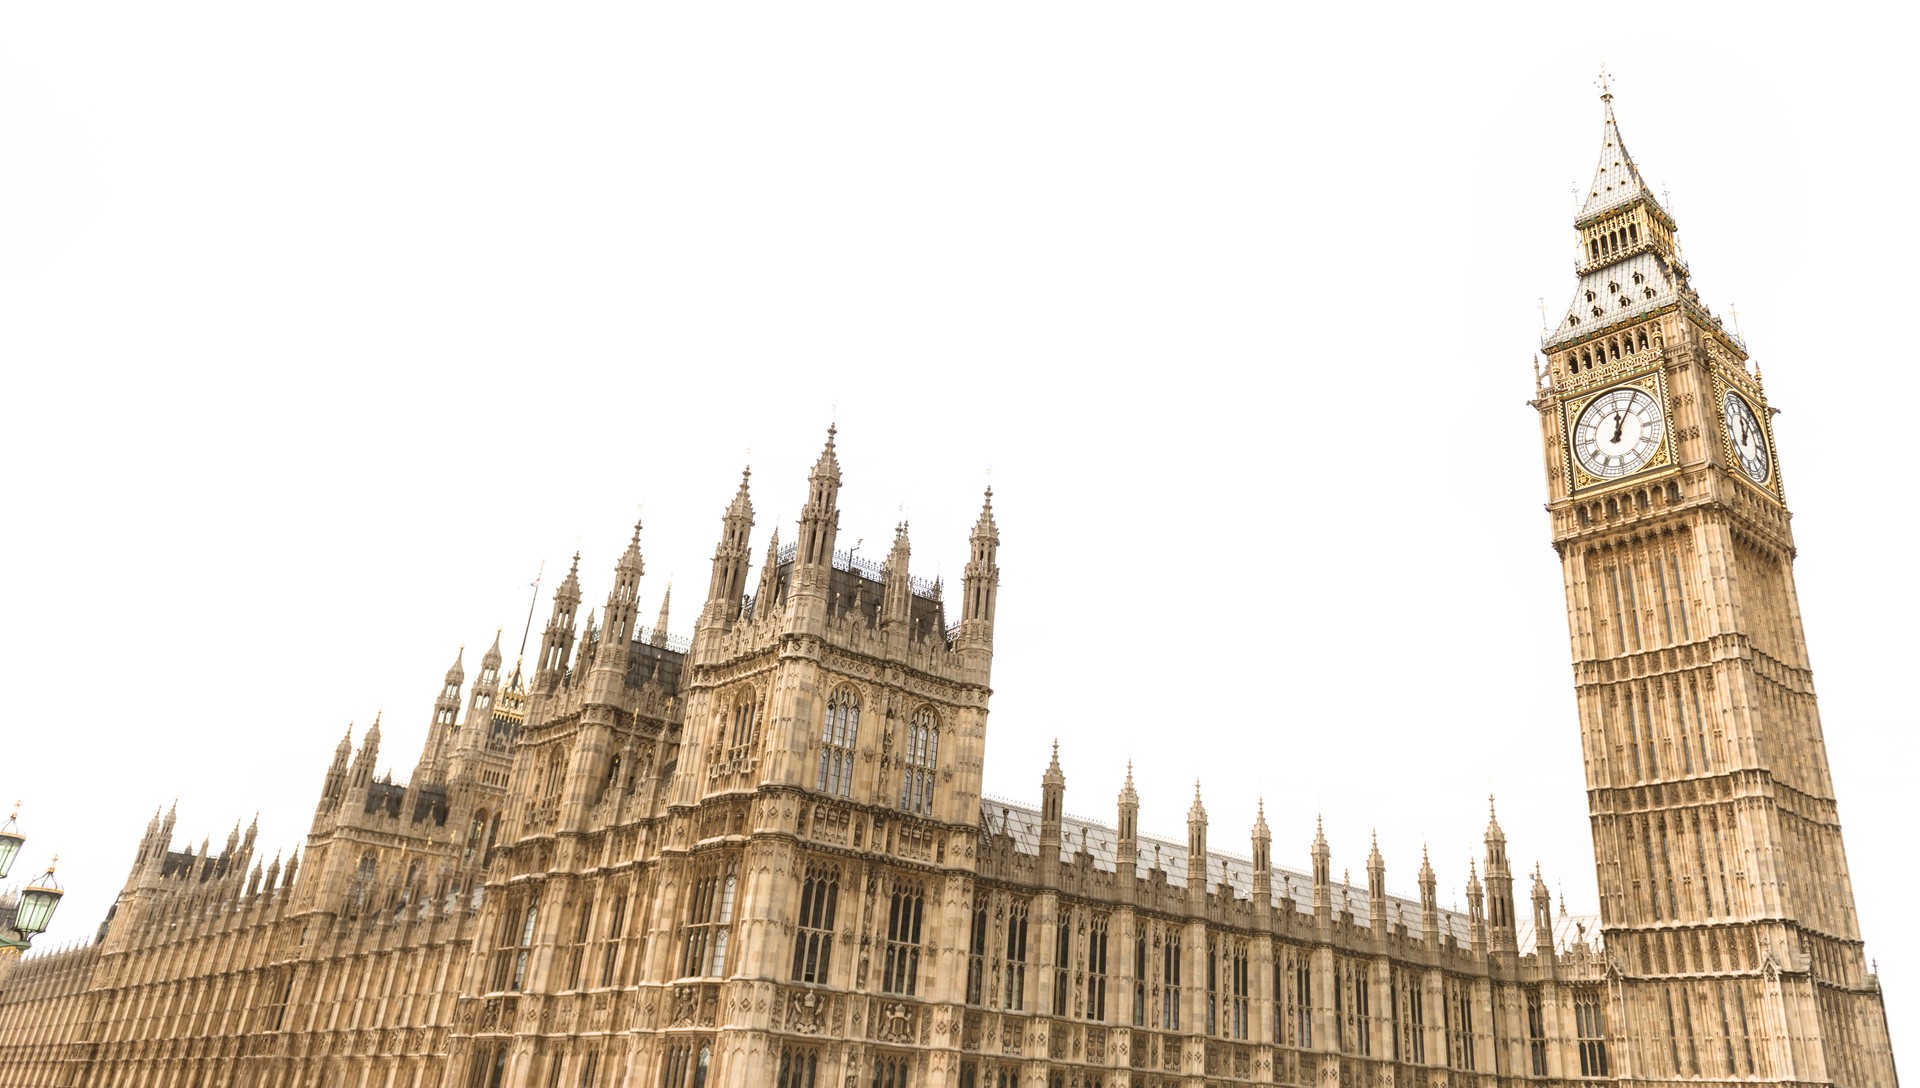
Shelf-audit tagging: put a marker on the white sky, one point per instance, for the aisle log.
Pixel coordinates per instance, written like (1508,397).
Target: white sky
(322,327)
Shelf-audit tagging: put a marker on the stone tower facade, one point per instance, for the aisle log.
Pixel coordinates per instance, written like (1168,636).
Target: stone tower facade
(1728,915)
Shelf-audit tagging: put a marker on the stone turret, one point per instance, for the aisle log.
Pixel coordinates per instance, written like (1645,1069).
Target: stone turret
(730,557)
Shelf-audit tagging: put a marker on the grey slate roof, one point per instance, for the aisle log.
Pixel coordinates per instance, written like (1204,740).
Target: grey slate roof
(1616,293)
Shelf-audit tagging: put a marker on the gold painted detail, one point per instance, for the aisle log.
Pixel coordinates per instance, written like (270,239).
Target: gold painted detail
(1722,388)
(1653,383)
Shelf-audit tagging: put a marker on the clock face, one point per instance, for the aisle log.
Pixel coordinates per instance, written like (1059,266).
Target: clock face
(1619,432)
(1749,441)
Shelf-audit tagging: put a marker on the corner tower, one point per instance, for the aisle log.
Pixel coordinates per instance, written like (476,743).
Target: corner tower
(1724,896)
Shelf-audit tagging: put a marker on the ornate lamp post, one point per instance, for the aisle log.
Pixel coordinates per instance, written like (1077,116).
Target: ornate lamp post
(25,912)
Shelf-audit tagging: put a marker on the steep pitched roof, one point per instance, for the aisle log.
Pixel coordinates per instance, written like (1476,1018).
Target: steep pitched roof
(1616,180)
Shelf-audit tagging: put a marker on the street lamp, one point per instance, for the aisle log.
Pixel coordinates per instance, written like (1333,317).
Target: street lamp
(27,911)
(10,840)
(36,904)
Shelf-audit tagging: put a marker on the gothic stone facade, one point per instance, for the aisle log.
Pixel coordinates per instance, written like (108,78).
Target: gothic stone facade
(762,857)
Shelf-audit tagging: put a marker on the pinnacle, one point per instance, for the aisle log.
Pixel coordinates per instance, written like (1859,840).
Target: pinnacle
(986,524)
(742,501)
(829,463)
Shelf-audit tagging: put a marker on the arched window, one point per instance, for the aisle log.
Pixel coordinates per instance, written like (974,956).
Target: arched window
(525,948)
(921,757)
(797,1068)
(901,974)
(746,725)
(363,877)
(476,836)
(838,736)
(709,923)
(819,903)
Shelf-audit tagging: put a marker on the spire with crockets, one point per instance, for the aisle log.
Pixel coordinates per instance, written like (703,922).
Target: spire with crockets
(730,558)
(556,642)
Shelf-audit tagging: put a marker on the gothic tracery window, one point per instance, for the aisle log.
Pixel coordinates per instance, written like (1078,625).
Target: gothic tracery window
(901,973)
(709,922)
(813,944)
(838,736)
(921,756)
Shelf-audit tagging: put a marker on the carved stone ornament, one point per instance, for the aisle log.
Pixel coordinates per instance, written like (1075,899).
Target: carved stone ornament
(686,1001)
(896,1024)
(803,1013)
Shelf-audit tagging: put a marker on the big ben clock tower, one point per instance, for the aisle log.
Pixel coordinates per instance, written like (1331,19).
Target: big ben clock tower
(1724,897)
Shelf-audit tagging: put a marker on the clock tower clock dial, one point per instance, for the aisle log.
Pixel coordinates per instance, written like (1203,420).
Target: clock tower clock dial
(1618,432)
(1722,874)
(1747,436)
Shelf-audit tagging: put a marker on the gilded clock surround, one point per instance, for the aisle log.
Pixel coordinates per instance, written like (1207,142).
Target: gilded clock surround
(1651,381)
(1762,415)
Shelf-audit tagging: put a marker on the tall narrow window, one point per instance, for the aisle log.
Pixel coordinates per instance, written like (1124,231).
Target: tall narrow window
(1416,1021)
(361,890)
(798,1067)
(673,1071)
(1096,1006)
(901,974)
(1062,950)
(616,923)
(891,1072)
(523,949)
(1680,597)
(1214,999)
(813,944)
(1170,984)
(1460,1016)
(977,955)
(922,756)
(744,728)
(1139,979)
(1589,1023)
(1013,990)
(1303,1005)
(588,1066)
(1238,991)
(1536,1033)
(1362,1013)
(837,740)
(582,929)
(1666,612)
(709,922)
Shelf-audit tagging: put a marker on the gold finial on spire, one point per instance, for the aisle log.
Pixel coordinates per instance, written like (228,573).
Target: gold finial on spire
(1605,83)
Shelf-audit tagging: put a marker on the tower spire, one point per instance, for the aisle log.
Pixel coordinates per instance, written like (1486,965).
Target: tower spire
(556,642)
(658,636)
(730,556)
(1616,180)
(981,584)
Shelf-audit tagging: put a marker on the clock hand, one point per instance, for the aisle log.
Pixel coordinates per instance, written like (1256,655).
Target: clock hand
(1619,421)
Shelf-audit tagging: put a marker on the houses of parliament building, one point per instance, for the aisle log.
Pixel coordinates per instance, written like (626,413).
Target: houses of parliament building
(761,856)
